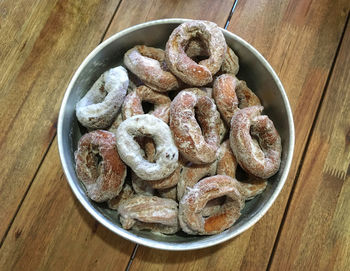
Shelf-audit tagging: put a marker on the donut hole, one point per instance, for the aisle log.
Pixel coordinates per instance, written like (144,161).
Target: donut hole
(197,49)
(147,107)
(213,206)
(198,119)
(145,143)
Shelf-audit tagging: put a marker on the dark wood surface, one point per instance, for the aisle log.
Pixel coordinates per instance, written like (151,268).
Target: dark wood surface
(45,228)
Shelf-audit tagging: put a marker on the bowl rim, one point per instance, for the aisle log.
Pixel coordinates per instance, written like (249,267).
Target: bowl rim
(160,244)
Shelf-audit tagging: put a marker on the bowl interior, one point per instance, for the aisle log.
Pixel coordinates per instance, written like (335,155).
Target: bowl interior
(253,69)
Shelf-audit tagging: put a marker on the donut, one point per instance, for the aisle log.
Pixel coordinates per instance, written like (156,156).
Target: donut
(246,97)
(133,103)
(260,157)
(125,194)
(131,153)
(190,72)
(230,64)
(225,97)
(100,105)
(115,124)
(195,199)
(141,210)
(148,64)
(196,50)
(191,174)
(227,165)
(103,179)
(140,186)
(197,143)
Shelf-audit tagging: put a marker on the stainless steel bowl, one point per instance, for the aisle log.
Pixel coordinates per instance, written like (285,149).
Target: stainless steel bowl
(254,69)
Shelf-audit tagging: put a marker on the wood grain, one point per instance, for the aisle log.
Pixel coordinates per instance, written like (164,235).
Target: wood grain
(52,231)
(316,232)
(31,100)
(299,39)
(138,11)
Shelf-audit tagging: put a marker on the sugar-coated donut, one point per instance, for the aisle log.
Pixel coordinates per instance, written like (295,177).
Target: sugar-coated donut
(140,210)
(190,72)
(246,96)
(261,158)
(148,64)
(168,193)
(125,194)
(103,179)
(191,174)
(195,199)
(131,153)
(197,143)
(100,105)
(225,97)
(231,63)
(133,103)
(227,165)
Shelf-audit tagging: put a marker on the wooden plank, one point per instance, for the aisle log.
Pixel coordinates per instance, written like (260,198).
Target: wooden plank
(30,107)
(134,12)
(52,230)
(71,238)
(316,232)
(299,39)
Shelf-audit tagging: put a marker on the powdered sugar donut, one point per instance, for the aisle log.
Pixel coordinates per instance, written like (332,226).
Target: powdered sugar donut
(193,145)
(191,174)
(225,97)
(246,96)
(231,63)
(124,195)
(148,64)
(192,73)
(131,153)
(261,158)
(193,202)
(133,103)
(100,105)
(227,165)
(103,180)
(141,210)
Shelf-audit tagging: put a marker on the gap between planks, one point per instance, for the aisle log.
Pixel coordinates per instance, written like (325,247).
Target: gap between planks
(307,143)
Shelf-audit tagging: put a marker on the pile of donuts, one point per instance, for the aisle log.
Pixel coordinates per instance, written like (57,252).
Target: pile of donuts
(174,166)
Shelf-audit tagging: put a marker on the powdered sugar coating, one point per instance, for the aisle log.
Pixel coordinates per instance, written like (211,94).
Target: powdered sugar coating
(227,165)
(261,158)
(231,62)
(100,105)
(193,145)
(225,97)
(131,153)
(148,64)
(182,65)
(195,199)
(133,103)
(103,179)
(191,174)
(149,209)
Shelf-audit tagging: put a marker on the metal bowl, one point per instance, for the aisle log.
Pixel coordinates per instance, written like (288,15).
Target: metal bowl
(254,69)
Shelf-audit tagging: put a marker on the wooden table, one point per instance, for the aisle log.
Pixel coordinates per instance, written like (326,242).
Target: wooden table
(43,226)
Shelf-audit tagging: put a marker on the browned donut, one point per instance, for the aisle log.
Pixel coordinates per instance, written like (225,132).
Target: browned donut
(192,73)
(133,103)
(125,194)
(225,97)
(141,210)
(246,97)
(104,179)
(193,202)
(148,64)
(227,165)
(197,144)
(191,174)
(261,158)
